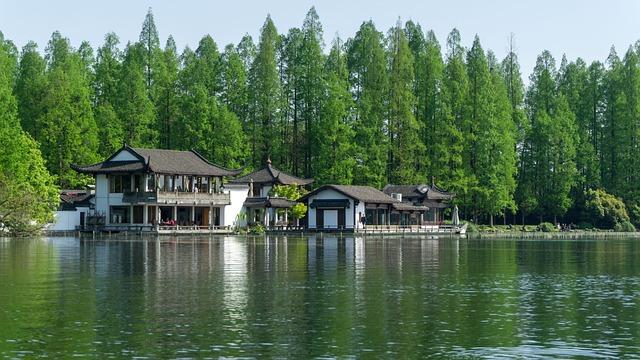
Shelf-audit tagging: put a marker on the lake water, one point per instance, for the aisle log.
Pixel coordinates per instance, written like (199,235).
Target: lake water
(291,297)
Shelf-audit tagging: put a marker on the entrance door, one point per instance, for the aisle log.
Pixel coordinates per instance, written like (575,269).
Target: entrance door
(341,218)
(82,219)
(331,219)
(319,219)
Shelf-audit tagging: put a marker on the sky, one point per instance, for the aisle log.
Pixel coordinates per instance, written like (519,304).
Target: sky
(584,29)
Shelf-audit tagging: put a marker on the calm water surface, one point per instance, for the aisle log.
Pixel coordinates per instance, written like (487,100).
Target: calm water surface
(305,297)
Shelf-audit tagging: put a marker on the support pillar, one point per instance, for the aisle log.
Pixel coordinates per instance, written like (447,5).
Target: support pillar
(175,213)
(145,214)
(211,224)
(130,220)
(193,215)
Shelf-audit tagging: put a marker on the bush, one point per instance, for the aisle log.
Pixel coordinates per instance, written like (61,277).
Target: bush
(256,229)
(634,214)
(472,228)
(625,226)
(547,227)
(605,210)
(583,225)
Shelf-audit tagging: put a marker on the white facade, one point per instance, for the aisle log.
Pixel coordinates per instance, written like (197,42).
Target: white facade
(67,220)
(238,193)
(331,215)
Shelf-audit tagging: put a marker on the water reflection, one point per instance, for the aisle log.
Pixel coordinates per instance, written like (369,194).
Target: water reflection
(318,297)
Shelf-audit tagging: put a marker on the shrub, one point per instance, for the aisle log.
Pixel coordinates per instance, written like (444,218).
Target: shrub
(547,227)
(604,209)
(256,228)
(625,226)
(584,225)
(634,214)
(472,228)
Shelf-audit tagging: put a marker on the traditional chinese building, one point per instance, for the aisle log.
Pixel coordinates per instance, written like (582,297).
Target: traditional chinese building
(261,205)
(352,207)
(156,190)
(431,196)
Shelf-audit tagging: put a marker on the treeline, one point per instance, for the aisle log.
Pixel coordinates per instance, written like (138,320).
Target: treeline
(377,108)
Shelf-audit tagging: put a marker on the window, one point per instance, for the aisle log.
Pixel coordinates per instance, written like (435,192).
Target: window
(179,183)
(161,183)
(151,182)
(170,181)
(119,215)
(203,184)
(119,183)
(138,212)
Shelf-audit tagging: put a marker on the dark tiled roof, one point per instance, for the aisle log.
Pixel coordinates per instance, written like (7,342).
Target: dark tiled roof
(434,204)
(181,162)
(264,202)
(411,191)
(365,194)
(158,161)
(71,199)
(269,174)
(107,167)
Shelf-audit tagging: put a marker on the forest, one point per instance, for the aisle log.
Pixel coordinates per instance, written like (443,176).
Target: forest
(379,107)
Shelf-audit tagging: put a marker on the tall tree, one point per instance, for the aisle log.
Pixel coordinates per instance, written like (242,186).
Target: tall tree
(69,132)
(28,195)
(402,127)
(550,168)
(311,85)
(613,124)
(264,97)
(30,89)
(166,93)
(105,87)
(366,62)
(456,89)
(151,44)
(234,83)
(334,163)
(134,108)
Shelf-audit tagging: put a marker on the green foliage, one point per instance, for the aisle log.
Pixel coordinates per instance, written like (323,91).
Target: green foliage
(69,132)
(264,97)
(547,227)
(624,226)
(28,195)
(291,192)
(256,229)
(605,210)
(472,228)
(366,61)
(374,110)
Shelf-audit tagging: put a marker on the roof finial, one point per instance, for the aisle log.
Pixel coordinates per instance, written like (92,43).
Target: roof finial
(269,161)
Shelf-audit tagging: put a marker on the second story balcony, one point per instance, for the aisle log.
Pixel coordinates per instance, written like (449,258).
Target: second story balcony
(177,197)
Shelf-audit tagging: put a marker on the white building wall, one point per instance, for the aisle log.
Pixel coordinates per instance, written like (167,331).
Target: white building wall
(125,155)
(67,220)
(104,199)
(237,194)
(359,213)
(334,195)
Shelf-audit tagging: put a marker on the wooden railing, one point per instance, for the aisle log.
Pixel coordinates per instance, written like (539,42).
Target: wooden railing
(193,198)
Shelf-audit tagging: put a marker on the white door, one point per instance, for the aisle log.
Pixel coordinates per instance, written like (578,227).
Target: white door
(331,219)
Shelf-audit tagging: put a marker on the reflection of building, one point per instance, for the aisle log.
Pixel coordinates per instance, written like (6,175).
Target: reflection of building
(354,207)
(153,189)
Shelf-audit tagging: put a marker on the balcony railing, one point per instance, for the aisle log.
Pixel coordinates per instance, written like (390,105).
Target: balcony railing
(176,197)
(139,197)
(193,198)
